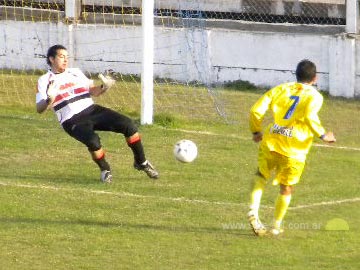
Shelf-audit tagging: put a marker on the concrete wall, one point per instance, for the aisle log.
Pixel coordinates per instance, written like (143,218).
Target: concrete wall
(264,58)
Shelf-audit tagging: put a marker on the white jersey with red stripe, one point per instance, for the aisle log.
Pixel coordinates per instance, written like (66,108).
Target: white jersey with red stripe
(72,96)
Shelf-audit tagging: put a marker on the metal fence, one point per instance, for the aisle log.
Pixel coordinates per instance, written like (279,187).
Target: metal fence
(323,12)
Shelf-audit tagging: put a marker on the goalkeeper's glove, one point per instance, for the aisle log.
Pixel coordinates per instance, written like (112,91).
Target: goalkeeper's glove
(51,92)
(107,82)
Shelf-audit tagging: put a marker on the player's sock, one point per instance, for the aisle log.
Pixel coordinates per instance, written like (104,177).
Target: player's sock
(101,162)
(256,193)
(137,148)
(281,205)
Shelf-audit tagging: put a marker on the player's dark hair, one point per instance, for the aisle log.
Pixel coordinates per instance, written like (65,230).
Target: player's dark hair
(305,71)
(52,51)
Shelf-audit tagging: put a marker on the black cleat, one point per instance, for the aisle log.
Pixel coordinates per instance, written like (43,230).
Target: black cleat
(148,168)
(106,177)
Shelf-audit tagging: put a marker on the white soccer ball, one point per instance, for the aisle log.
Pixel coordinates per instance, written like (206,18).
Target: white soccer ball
(185,151)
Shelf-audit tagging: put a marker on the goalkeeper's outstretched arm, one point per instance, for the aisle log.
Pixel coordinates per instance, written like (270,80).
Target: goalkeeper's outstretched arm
(96,90)
(107,83)
(44,104)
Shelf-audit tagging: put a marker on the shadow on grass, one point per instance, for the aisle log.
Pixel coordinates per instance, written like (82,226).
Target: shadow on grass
(125,225)
(55,179)
(77,179)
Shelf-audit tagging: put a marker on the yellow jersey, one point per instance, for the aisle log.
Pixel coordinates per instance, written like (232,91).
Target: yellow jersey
(295,108)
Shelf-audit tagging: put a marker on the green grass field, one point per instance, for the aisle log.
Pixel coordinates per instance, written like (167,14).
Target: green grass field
(55,213)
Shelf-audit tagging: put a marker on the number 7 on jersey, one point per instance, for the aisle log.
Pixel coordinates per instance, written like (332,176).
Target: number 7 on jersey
(292,108)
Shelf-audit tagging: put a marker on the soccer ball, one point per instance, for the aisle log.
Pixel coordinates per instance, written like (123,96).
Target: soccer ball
(185,151)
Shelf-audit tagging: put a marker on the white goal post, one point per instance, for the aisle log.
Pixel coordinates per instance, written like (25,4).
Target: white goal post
(72,13)
(352,16)
(147,85)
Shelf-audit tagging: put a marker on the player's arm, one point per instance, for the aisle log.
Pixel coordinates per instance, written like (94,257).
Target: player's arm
(42,105)
(107,83)
(44,102)
(328,137)
(257,113)
(313,120)
(96,90)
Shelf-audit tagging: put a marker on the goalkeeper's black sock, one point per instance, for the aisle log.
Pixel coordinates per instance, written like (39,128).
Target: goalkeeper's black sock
(138,151)
(102,163)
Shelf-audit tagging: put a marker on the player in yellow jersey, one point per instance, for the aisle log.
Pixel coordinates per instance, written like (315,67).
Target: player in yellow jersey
(286,141)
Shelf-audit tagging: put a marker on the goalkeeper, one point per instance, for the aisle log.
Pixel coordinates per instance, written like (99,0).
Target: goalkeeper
(285,142)
(69,93)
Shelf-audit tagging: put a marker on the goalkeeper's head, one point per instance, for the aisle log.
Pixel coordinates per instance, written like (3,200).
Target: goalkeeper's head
(52,52)
(306,72)
(57,58)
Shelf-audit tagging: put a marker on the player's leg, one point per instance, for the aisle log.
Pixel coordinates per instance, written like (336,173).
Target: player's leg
(109,120)
(281,206)
(255,199)
(136,146)
(265,164)
(140,162)
(99,158)
(82,131)
(288,175)
(256,194)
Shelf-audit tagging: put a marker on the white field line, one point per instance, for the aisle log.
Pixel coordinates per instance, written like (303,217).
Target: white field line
(249,138)
(326,203)
(172,199)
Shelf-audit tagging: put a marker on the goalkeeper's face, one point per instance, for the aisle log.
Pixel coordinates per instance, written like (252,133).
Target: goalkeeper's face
(60,62)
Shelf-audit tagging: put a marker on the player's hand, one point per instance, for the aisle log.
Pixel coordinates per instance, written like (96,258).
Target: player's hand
(51,92)
(328,137)
(107,81)
(257,137)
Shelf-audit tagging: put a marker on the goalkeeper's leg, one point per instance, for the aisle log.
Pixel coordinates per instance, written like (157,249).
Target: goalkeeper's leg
(98,155)
(109,120)
(140,162)
(135,144)
(99,158)
(83,132)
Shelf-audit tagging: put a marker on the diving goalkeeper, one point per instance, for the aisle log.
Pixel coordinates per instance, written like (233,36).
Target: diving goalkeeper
(69,93)
(286,141)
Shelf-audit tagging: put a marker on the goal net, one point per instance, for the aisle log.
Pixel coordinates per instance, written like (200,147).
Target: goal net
(105,35)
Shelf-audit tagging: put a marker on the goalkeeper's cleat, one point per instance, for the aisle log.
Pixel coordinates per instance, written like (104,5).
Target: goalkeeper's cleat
(106,177)
(256,225)
(148,168)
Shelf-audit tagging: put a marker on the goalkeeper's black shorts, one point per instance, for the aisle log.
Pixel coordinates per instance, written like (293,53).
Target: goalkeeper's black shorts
(82,126)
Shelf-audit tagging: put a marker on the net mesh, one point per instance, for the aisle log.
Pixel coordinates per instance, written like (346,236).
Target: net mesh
(107,37)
